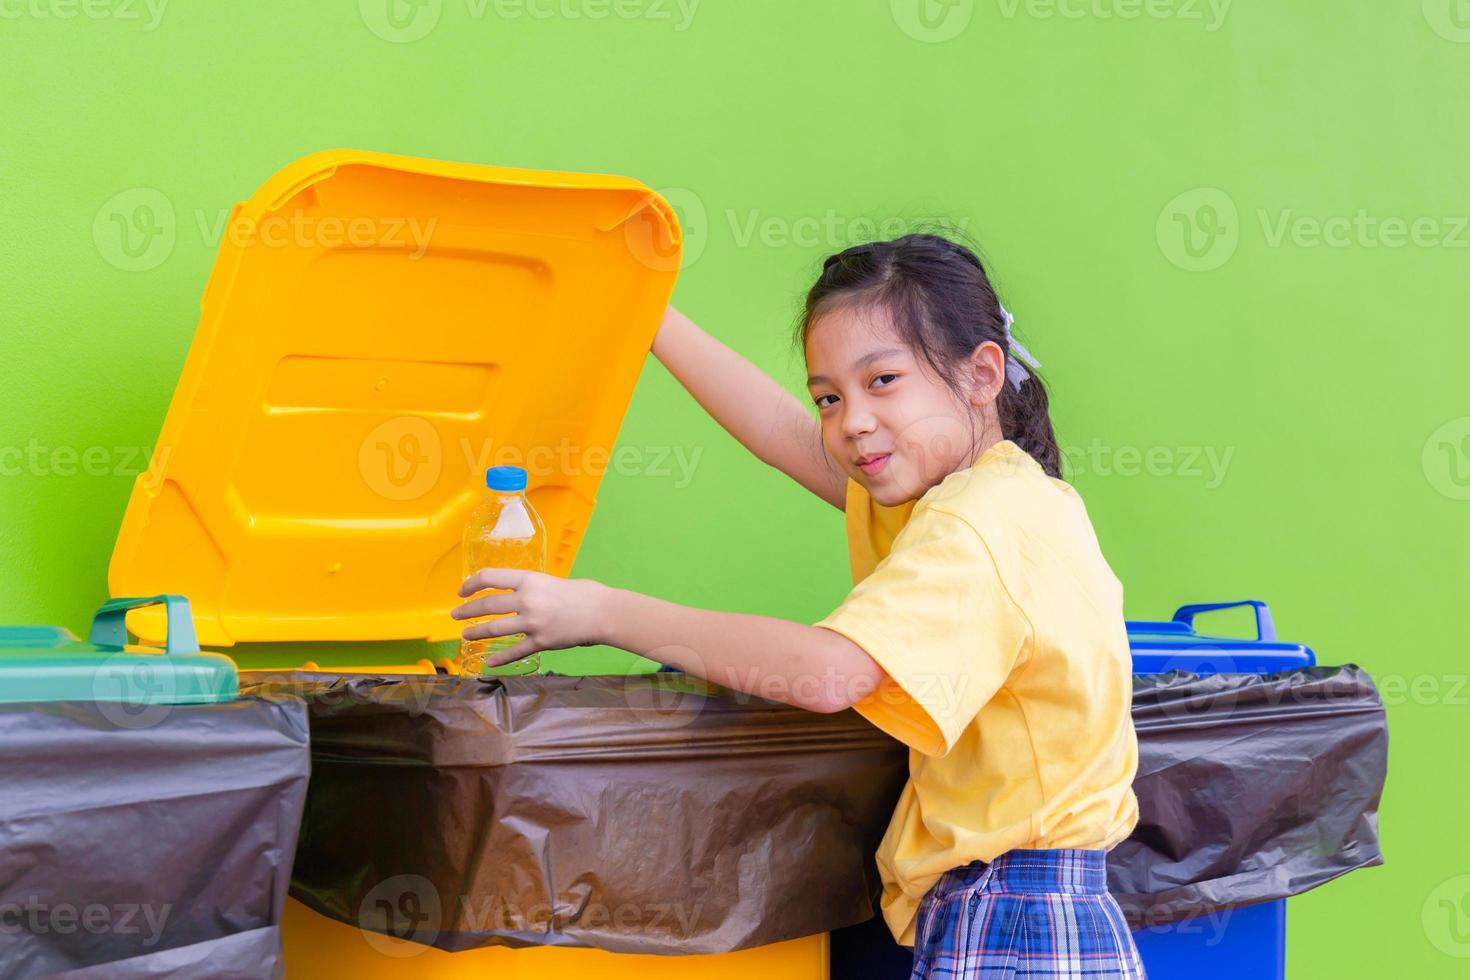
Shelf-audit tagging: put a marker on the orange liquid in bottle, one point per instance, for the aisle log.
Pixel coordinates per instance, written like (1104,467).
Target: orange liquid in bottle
(503,532)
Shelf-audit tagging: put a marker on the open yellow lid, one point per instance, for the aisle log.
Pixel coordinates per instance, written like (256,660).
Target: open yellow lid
(376,332)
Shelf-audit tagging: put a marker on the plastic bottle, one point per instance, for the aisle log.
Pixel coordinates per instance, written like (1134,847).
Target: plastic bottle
(504,532)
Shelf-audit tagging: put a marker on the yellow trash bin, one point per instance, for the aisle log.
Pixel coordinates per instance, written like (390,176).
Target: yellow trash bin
(376,331)
(320,947)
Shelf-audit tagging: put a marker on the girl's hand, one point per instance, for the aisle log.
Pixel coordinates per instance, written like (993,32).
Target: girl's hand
(554,613)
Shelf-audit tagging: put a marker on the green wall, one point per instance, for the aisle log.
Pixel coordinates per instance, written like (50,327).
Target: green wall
(1234,234)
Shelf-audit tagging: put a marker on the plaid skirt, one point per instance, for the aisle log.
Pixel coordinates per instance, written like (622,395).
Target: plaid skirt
(1028,913)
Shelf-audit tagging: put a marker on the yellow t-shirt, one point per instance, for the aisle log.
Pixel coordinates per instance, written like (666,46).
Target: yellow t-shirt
(989,604)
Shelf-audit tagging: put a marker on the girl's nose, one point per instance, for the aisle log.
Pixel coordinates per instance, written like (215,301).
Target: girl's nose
(857,421)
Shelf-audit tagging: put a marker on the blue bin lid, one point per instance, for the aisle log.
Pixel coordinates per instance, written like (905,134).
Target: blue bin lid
(1175,644)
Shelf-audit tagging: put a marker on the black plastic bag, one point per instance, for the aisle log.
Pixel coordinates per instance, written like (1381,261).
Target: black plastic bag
(148,842)
(657,814)
(1250,788)
(639,814)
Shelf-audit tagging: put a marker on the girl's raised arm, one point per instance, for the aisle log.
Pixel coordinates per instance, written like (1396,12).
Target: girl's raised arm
(762,416)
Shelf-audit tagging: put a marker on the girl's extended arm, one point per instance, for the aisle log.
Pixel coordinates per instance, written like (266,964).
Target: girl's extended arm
(807,666)
(763,416)
(810,667)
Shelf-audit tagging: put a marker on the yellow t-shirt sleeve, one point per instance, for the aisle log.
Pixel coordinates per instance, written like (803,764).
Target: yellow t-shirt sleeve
(935,615)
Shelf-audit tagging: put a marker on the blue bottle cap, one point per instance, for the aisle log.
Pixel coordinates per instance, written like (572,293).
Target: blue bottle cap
(505,478)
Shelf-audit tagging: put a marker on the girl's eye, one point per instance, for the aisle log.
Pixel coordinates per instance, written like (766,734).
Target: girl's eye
(820,403)
(882,376)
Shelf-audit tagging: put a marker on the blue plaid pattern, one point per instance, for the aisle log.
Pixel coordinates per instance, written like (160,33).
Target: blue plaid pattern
(1028,913)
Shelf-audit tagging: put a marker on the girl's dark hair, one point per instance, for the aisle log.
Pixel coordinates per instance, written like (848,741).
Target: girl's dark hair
(943,306)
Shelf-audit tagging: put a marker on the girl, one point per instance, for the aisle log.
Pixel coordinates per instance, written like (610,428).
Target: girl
(984,630)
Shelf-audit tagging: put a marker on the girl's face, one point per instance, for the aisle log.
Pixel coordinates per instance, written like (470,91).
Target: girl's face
(893,426)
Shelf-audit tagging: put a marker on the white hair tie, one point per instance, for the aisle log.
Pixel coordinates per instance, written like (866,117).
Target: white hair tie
(1016,374)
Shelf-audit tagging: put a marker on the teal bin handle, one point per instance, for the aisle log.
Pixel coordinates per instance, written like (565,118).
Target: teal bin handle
(1265,627)
(110,625)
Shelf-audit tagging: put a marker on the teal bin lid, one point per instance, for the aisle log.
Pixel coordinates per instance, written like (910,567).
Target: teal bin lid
(48,663)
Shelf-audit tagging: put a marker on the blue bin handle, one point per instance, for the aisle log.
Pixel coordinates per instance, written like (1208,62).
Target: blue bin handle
(110,626)
(1265,628)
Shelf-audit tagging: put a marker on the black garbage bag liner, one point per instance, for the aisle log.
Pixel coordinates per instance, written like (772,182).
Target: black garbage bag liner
(657,814)
(639,814)
(148,841)
(1250,788)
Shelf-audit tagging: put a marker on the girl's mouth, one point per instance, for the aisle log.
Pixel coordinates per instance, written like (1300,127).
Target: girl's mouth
(874,465)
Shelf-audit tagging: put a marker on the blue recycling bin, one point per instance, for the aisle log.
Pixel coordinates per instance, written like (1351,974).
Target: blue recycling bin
(1244,942)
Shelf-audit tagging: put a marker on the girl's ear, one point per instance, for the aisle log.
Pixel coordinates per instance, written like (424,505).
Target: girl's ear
(987,372)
